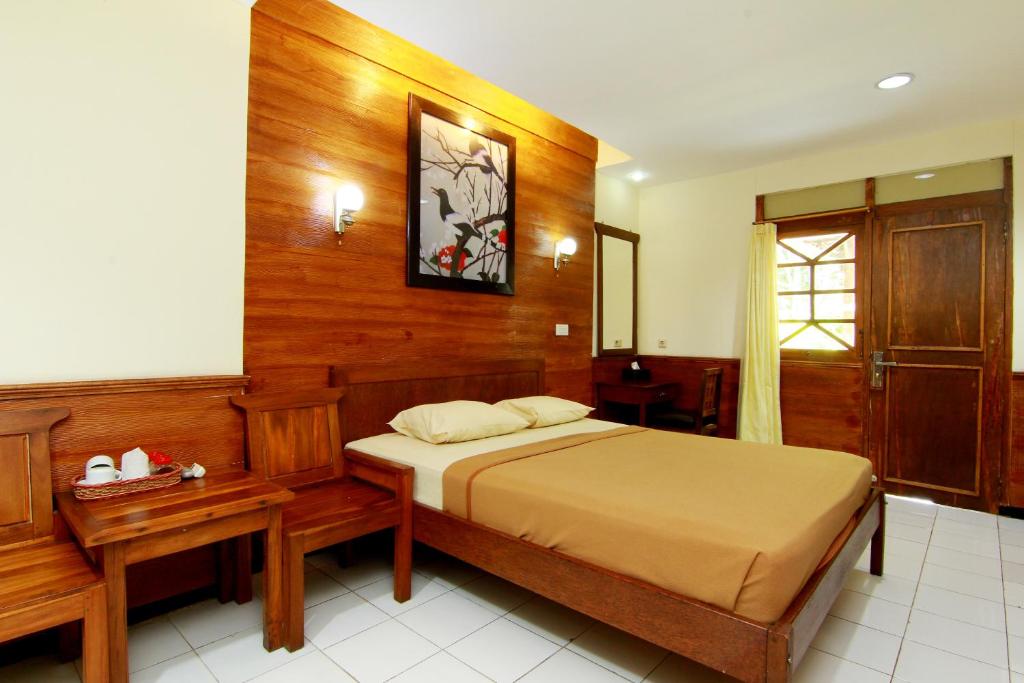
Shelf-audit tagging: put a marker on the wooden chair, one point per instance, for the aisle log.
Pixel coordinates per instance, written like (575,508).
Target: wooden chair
(43,582)
(703,421)
(294,439)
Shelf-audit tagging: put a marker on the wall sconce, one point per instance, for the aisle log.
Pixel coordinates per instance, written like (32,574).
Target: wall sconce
(347,200)
(564,249)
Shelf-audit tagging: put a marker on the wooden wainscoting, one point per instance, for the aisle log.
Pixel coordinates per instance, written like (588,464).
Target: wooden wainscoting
(328,104)
(1013,478)
(823,405)
(687,371)
(189,418)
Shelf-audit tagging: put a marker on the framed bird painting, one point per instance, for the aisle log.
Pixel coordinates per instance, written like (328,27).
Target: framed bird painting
(462,178)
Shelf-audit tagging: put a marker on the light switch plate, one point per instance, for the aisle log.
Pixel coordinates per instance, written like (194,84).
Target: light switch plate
(561,329)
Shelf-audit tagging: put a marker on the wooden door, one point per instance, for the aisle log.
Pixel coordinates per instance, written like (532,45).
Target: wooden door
(937,406)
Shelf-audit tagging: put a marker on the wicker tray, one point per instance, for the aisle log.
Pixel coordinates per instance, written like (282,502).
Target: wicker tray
(85,491)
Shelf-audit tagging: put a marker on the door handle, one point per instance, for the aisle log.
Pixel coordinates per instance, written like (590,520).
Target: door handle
(878,368)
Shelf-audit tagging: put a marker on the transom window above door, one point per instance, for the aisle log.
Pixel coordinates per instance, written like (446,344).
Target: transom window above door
(817,290)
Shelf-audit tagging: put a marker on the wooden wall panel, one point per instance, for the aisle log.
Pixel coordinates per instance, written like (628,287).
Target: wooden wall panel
(1013,490)
(328,104)
(687,371)
(189,418)
(822,405)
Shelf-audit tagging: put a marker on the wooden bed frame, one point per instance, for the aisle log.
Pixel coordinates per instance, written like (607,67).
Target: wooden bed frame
(745,649)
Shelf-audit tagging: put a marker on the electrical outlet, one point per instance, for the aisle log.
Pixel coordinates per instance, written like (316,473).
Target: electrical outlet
(662,344)
(561,329)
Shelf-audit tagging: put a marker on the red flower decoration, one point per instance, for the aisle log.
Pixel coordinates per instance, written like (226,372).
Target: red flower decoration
(503,236)
(160,459)
(444,257)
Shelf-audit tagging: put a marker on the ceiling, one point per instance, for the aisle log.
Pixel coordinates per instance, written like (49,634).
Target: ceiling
(691,88)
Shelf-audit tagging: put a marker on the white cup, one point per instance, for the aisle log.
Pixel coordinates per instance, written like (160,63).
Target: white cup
(101,474)
(134,464)
(99,460)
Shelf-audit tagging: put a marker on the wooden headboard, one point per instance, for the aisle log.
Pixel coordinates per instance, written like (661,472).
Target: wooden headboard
(376,393)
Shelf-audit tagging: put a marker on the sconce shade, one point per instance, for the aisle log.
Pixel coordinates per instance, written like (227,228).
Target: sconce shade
(350,198)
(564,249)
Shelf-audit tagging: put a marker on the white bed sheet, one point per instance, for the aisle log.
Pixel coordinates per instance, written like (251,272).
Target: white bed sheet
(431,460)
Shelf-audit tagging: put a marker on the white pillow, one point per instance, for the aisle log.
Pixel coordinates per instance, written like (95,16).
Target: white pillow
(544,411)
(456,421)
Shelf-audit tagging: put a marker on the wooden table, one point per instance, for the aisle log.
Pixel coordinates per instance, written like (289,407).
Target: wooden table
(640,394)
(225,504)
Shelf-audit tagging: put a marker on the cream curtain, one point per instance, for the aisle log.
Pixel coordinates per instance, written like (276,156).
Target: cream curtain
(760,412)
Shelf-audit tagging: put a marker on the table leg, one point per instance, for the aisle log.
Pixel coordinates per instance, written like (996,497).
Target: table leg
(225,570)
(234,569)
(243,569)
(273,584)
(117,611)
(643,414)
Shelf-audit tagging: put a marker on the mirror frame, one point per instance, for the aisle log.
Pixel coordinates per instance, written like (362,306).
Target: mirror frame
(603,231)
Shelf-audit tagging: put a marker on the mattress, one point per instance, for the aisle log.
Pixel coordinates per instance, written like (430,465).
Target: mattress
(430,460)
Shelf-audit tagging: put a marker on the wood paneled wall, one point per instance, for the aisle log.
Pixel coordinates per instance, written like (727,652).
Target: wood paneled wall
(687,371)
(822,405)
(328,104)
(189,418)
(1013,482)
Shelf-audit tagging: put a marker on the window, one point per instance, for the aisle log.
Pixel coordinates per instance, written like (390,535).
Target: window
(816,280)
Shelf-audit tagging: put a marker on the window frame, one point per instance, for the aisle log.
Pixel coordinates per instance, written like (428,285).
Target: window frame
(854,225)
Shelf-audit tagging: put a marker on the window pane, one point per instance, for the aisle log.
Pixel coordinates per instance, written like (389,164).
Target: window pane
(811,246)
(834,276)
(794,279)
(844,331)
(813,339)
(783,255)
(834,307)
(787,329)
(794,307)
(846,250)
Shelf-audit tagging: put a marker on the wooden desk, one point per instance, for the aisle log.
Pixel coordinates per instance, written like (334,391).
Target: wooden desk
(225,504)
(634,393)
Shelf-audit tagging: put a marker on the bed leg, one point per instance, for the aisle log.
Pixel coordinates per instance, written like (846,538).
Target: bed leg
(878,539)
(779,662)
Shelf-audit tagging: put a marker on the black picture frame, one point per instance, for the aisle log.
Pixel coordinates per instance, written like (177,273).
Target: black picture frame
(490,269)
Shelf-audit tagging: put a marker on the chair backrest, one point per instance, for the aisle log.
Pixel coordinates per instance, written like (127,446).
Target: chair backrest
(293,437)
(26,489)
(710,396)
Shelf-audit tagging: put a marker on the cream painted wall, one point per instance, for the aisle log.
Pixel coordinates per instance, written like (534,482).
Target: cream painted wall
(122,173)
(696,232)
(616,203)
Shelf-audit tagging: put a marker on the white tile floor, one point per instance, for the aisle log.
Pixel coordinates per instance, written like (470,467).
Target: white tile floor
(950,609)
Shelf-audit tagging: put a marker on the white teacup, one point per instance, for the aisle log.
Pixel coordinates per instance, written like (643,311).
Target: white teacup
(134,464)
(99,461)
(101,474)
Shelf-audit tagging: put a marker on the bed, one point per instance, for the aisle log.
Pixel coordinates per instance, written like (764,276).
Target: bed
(729,640)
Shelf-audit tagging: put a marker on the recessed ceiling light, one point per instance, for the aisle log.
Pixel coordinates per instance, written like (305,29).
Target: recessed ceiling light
(924,176)
(637,176)
(894,81)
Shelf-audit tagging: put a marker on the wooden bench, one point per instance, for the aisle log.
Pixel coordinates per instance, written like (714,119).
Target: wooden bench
(43,582)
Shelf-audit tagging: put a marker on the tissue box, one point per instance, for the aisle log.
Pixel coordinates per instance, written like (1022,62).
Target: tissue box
(631,375)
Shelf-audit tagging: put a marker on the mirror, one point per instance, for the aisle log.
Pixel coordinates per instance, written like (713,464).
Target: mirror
(616,290)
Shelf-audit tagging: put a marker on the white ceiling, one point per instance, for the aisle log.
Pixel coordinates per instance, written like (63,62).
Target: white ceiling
(696,87)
